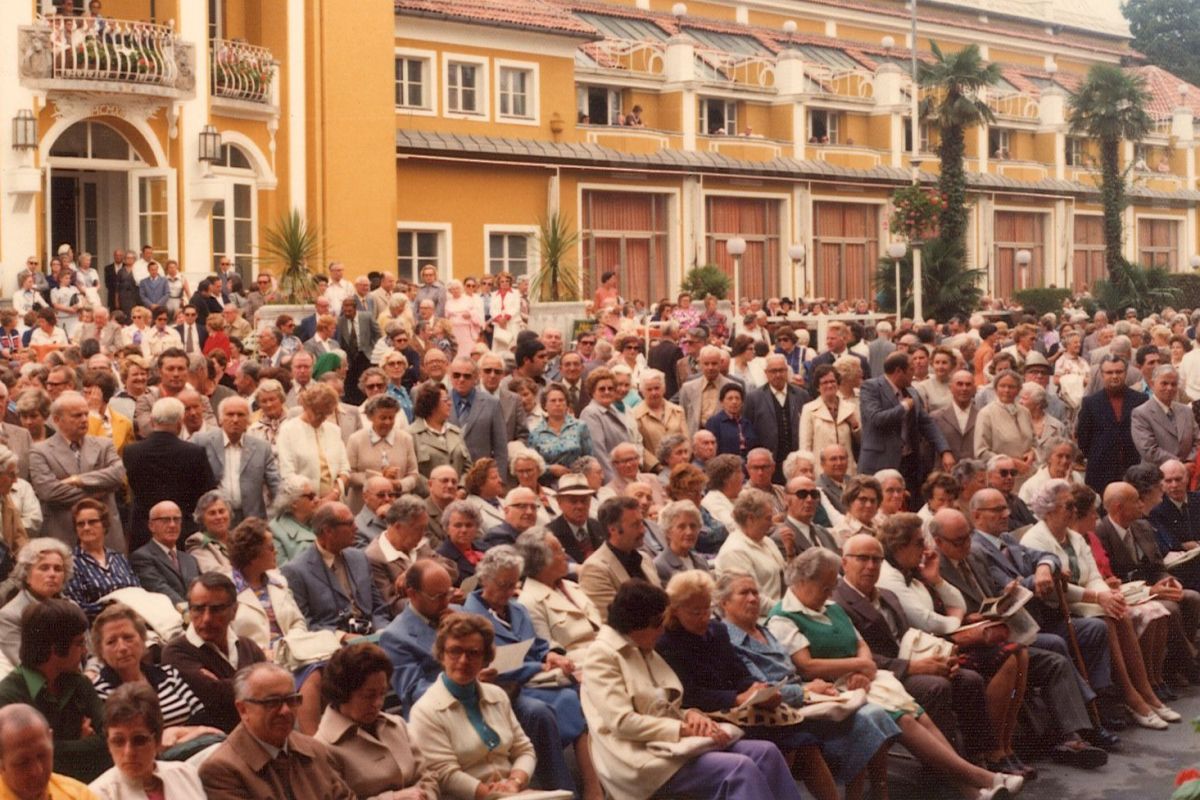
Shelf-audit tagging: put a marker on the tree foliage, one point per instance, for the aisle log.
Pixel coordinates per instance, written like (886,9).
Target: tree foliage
(947,287)
(556,278)
(1110,107)
(708,279)
(1168,33)
(954,107)
(1146,289)
(291,244)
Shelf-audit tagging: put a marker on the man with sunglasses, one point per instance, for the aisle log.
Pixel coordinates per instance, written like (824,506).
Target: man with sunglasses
(479,414)
(265,756)
(208,654)
(1002,476)
(798,531)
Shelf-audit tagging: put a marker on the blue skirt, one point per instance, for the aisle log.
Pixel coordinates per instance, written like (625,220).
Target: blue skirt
(567,711)
(848,745)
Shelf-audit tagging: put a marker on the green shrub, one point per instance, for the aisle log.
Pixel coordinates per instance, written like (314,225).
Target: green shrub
(1042,300)
(706,280)
(1188,284)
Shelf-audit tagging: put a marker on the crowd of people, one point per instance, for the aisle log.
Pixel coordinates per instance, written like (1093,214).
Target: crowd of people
(412,544)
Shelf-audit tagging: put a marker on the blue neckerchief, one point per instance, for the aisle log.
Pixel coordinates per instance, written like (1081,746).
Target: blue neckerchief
(468,696)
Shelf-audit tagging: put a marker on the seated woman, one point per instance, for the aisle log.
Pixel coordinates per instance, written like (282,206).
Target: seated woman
(44,566)
(560,611)
(850,745)
(119,641)
(527,468)
(461,522)
(632,699)
(687,482)
(680,521)
(267,612)
(499,575)
(210,544)
(907,569)
(1056,512)
(750,548)
(558,437)
(714,679)
(293,508)
(468,731)
(735,434)
(372,750)
(939,490)
(98,570)
(823,643)
(861,499)
(135,728)
(485,489)
(1061,455)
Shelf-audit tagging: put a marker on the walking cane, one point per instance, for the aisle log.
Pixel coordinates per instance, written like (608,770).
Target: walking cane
(1060,581)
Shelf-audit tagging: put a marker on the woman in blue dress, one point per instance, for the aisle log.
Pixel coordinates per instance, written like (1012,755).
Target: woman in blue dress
(559,438)
(544,676)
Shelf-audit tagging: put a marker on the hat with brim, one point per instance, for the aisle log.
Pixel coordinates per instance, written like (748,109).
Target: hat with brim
(576,485)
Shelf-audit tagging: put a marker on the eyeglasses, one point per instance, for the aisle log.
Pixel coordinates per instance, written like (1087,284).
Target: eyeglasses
(276,702)
(211,608)
(461,376)
(992,509)
(600,389)
(808,494)
(1006,473)
(859,557)
(957,542)
(87,523)
(522,505)
(168,520)
(138,740)
(586,342)
(492,371)
(469,653)
(370,386)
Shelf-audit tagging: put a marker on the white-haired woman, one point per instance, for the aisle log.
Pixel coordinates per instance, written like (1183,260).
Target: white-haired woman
(560,611)
(1045,427)
(294,505)
(499,574)
(210,544)
(750,548)
(681,522)
(1059,457)
(465,318)
(527,468)
(1005,428)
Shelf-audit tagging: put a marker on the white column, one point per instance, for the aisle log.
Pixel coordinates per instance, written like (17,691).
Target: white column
(691,223)
(802,197)
(19,221)
(195,251)
(297,139)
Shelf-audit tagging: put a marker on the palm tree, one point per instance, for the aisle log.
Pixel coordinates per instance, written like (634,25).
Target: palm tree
(954,106)
(293,243)
(948,288)
(1110,107)
(556,278)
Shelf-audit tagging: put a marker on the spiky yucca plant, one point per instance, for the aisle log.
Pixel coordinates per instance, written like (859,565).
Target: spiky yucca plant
(291,245)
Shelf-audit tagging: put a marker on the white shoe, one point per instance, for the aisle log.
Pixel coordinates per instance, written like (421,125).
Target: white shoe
(1166,714)
(1151,720)
(1013,783)
(994,793)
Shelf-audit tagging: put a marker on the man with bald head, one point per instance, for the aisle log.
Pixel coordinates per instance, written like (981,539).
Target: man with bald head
(244,467)
(956,421)
(774,411)
(835,463)
(378,493)
(27,758)
(626,460)
(520,514)
(799,531)
(408,640)
(160,565)
(704,447)
(443,490)
(700,397)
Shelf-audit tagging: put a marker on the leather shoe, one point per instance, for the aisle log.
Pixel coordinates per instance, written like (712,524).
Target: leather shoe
(1114,722)
(1078,753)
(1102,737)
(1165,693)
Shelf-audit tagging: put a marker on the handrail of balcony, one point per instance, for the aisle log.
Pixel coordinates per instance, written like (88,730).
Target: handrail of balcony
(241,71)
(105,49)
(628,55)
(853,83)
(754,71)
(1013,105)
(1161,126)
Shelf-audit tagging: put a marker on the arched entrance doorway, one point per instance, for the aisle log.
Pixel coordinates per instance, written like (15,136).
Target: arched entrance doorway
(101,194)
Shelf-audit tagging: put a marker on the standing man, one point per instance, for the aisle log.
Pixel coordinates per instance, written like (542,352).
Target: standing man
(431,289)
(880,347)
(243,467)
(894,423)
(190,333)
(665,354)
(774,411)
(126,287)
(339,288)
(356,335)
(1105,427)
(700,396)
(110,278)
(1162,428)
(478,414)
(956,421)
(70,466)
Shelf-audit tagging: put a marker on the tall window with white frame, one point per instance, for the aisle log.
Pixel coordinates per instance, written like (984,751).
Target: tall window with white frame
(412,82)
(1076,151)
(1000,143)
(718,117)
(414,250)
(233,217)
(824,126)
(462,88)
(598,105)
(509,252)
(515,87)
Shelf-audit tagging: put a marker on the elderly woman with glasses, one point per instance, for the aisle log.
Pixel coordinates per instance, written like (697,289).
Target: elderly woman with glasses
(822,642)
(381,450)
(607,426)
(558,437)
(861,500)
(210,544)
(527,467)
(535,684)
(395,365)
(1046,428)
(98,570)
(294,505)
(830,418)
(437,440)
(466,727)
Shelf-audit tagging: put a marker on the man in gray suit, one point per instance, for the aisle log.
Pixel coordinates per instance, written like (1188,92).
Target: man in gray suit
(159,564)
(15,438)
(1162,428)
(881,347)
(491,373)
(478,414)
(774,411)
(70,466)
(244,467)
(798,532)
(700,396)
(957,420)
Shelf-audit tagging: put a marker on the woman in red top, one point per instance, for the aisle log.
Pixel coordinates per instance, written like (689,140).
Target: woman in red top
(217,338)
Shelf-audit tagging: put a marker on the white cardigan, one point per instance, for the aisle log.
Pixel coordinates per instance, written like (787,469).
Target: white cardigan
(180,780)
(297,444)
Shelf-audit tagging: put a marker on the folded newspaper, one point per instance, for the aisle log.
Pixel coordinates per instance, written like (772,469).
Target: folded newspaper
(1177,558)
(1007,604)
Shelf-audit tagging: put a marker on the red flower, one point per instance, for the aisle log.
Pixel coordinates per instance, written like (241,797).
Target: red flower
(1187,775)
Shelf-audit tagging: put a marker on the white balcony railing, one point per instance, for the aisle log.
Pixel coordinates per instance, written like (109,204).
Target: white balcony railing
(753,71)
(71,52)
(627,55)
(847,84)
(242,71)
(1013,105)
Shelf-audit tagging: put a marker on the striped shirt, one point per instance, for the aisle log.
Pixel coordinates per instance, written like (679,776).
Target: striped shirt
(178,703)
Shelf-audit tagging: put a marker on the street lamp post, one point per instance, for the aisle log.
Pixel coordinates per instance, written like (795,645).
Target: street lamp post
(796,253)
(1023,259)
(915,159)
(895,252)
(1194,262)
(736,247)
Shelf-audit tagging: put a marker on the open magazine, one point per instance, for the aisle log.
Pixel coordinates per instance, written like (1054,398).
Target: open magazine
(1009,608)
(1177,558)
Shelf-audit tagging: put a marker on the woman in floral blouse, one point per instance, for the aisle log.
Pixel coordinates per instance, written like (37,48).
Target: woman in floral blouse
(559,438)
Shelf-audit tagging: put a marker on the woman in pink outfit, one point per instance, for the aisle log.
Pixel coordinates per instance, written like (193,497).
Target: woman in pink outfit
(464,316)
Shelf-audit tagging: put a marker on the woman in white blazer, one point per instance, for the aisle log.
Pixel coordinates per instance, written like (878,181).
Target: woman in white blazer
(631,699)
(830,419)
(492,750)
(560,611)
(311,444)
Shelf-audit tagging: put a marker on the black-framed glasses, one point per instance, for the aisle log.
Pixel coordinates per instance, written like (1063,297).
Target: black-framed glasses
(276,702)
(492,370)
(808,494)
(1006,473)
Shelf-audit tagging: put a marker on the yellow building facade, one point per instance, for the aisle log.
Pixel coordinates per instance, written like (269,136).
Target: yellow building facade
(442,132)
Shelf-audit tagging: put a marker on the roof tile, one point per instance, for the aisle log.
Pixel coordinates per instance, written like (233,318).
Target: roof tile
(537,15)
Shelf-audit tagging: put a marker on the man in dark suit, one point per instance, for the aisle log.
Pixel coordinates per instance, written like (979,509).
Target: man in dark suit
(934,682)
(1002,476)
(159,564)
(575,529)
(894,423)
(257,480)
(1104,429)
(571,368)
(207,298)
(1176,519)
(356,335)
(491,375)
(665,354)
(163,467)
(308,326)
(774,411)
(957,420)
(201,653)
(110,278)
(331,580)
(837,344)
(520,514)
(125,288)
(478,414)
(798,531)
(192,332)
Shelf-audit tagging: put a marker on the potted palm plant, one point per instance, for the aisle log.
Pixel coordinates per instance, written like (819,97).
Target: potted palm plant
(289,247)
